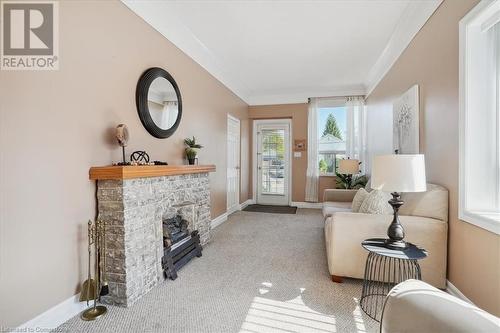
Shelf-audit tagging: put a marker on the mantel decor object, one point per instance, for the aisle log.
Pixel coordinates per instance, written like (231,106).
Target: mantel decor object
(122,136)
(139,156)
(192,149)
(396,174)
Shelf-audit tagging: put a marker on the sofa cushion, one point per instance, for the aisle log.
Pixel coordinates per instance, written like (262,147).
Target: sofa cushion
(331,207)
(432,203)
(376,202)
(358,199)
(338,195)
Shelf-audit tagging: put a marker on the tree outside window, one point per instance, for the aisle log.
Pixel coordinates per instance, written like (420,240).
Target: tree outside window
(331,127)
(331,144)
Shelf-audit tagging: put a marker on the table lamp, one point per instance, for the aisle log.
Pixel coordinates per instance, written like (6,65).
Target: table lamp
(348,167)
(396,174)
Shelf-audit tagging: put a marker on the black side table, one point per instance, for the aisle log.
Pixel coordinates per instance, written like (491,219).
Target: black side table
(384,269)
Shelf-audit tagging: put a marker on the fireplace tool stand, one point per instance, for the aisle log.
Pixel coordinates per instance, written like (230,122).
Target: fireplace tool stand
(92,290)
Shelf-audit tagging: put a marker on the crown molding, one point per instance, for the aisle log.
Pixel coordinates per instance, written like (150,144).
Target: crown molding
(178,34)
(277,97)
(170,26)
(413,19)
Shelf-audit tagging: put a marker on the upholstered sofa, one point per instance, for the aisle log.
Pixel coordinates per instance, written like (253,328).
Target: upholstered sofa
(424,216)
(414,306)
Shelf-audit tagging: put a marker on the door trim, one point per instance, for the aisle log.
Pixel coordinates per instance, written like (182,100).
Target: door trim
(238,194)
(280,121)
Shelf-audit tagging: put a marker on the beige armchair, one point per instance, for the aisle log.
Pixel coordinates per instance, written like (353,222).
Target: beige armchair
(424,217)
(414,306)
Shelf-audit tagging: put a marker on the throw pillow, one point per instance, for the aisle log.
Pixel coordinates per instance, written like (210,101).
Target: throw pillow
(376,202)
(358,199)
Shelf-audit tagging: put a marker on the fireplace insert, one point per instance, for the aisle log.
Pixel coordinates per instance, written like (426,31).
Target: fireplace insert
(179,245)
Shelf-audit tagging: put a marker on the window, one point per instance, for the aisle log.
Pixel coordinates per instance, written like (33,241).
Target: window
(273,161)
(332,135)
(479,116)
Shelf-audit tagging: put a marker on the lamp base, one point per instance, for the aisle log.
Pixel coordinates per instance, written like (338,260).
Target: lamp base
(395,244)
(396,231)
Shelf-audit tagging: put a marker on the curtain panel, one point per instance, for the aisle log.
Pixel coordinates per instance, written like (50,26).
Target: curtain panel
(356,129)
(355,136)
(312,175)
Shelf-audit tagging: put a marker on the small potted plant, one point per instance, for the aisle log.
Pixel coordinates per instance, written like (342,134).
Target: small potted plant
(191,149)
(350,182)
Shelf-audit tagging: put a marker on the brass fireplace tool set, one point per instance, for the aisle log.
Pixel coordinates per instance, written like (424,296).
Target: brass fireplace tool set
(94,288)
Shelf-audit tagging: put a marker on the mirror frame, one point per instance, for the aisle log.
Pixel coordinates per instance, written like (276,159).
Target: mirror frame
(141,99)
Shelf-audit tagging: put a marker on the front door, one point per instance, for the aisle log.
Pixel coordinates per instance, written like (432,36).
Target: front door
(273,162)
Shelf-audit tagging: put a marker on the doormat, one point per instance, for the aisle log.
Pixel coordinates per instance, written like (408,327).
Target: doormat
(271,209)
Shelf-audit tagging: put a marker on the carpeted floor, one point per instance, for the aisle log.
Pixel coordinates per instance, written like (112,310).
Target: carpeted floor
(260,273)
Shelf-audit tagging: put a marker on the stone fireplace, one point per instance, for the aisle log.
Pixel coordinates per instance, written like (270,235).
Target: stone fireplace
(133,206)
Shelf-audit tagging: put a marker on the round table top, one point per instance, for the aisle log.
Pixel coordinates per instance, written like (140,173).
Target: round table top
(377,245)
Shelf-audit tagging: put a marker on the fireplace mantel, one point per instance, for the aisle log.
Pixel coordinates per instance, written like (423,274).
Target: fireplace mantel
(130,172)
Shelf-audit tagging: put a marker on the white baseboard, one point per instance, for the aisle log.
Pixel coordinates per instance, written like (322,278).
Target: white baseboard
(313,205)
(55,316)
(223,217)
(219,220)
(232,210)
(246,203)
(452,290)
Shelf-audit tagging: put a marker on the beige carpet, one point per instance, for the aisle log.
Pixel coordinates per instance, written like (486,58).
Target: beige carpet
(260,273)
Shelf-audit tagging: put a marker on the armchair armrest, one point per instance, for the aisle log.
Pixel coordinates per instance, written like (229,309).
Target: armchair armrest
(339,195)
(415,306)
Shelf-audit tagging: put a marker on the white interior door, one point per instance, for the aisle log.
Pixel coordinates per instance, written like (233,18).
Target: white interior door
(273,161)
(233,164)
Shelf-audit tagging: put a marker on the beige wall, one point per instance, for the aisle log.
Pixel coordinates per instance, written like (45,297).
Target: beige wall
(55,125)
(431,60)
(298,114)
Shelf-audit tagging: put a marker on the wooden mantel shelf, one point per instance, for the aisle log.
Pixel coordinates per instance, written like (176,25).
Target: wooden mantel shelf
(130,172)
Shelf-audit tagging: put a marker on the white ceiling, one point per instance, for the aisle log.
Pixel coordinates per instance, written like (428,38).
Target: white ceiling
(270,52)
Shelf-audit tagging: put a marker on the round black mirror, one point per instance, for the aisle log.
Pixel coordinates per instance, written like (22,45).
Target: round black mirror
(159,102)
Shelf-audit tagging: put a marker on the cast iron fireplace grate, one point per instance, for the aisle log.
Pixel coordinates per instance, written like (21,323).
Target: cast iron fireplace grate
(179,245)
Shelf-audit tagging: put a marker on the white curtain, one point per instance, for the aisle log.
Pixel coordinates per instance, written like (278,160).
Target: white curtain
(356,130)
(169,114)
(312,176)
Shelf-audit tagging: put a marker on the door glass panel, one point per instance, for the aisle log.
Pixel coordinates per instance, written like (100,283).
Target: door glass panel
(273,161)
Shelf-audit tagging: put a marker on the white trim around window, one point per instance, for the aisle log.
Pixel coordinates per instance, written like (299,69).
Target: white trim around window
(479,117)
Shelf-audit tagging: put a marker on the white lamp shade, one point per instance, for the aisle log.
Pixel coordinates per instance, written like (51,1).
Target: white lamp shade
(348,167)
(399,173)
